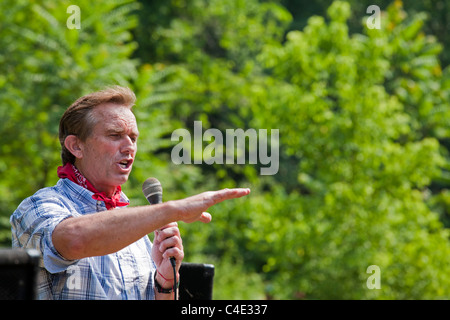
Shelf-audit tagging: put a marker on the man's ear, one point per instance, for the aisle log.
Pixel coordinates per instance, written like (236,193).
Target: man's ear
(74,145)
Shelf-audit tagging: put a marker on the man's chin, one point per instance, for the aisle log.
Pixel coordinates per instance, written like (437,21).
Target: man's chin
(120,179)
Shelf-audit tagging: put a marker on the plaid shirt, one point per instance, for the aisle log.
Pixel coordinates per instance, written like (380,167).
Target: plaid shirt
(126,274)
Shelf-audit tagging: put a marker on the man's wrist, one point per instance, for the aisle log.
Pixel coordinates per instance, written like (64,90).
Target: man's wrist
(174,210)
(162,281)
(164,285)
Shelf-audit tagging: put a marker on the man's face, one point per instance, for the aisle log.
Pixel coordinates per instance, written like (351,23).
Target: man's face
(108,153)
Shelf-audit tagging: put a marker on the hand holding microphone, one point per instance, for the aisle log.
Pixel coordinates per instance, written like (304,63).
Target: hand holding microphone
(152,190)
(191,209)
(166,238)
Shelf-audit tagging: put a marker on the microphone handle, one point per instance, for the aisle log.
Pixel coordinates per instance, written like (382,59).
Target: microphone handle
(158,201)
(173,262)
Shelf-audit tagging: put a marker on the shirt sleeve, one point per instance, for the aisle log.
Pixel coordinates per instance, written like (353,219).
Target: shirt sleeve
(32,227)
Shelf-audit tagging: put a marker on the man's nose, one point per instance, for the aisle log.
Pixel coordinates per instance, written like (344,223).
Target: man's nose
(128,145)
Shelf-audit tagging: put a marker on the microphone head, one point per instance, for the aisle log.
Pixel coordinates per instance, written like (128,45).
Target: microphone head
(152,190)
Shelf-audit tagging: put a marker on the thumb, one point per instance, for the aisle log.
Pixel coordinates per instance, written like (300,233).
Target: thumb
(205,217)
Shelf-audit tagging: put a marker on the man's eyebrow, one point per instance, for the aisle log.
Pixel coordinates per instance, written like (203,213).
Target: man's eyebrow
(114,130)
(121,130)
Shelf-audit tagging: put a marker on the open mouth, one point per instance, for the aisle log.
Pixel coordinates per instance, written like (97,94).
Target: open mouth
(125,164)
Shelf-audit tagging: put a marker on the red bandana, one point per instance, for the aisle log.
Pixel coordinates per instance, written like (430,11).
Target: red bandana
(70,172)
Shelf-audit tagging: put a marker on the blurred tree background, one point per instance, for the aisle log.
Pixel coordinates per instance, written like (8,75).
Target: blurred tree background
(362,115)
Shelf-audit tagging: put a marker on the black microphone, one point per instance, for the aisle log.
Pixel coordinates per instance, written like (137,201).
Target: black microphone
(152,190)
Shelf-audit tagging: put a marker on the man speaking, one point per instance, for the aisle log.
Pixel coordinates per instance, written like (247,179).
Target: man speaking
(83,226)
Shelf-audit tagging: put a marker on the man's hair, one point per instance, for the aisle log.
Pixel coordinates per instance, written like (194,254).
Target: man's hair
(79,120)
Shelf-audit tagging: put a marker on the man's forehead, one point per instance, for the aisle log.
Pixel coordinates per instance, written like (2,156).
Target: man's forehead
(114,117)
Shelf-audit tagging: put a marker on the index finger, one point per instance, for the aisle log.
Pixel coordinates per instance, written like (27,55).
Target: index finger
(226,194)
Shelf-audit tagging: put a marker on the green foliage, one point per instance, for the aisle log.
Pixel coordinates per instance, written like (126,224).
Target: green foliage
(44,67)
(363,138)
(361,159)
